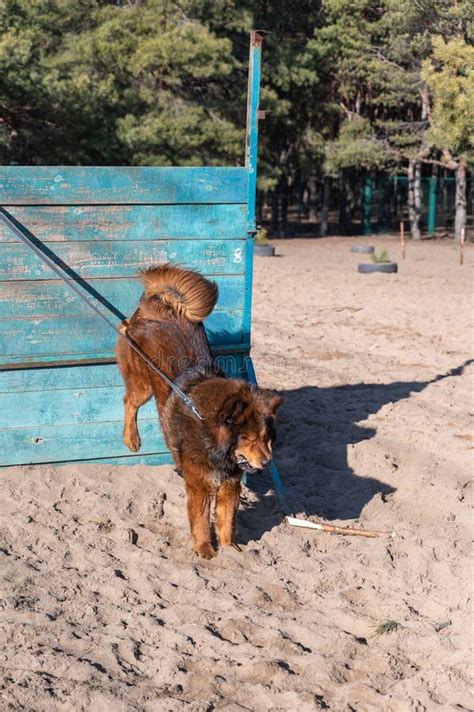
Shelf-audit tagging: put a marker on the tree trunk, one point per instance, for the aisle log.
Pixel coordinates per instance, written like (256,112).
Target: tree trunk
(345,222)
(398,203)
(414,198)
(275,205)
(433,199)
(418,196)
(312,198)
(284,192)
(470,207)
(323,227)
(298,190)
(445,196)
(460,217)
(351,181)
(260,206)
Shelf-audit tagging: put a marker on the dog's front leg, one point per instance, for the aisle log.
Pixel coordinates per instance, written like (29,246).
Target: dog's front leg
(199,513)
(227,504)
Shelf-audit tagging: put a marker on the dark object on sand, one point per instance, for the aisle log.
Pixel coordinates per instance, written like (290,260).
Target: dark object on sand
(264,250)
(369,267)
(363,249)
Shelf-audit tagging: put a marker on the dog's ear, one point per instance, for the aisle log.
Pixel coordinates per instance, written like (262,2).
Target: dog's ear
(230,411)
(227,416)
(275,403)
(272,401)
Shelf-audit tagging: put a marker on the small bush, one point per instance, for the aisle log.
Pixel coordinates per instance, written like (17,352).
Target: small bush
(261,238)
(381,257)
(387,627)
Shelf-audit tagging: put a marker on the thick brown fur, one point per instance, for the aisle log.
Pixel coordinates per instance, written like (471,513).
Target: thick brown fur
(187,293)
(237,429)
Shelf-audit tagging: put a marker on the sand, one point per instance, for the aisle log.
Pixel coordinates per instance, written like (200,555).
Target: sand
(104,606)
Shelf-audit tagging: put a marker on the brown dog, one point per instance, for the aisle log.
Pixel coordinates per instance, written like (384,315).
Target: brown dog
(237,429)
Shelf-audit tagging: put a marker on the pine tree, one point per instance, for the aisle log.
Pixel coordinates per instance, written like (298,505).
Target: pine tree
(449,74)
(147,82)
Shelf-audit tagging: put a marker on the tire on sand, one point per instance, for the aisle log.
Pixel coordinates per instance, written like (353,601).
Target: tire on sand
(369,267)
(264,250)
(363,249)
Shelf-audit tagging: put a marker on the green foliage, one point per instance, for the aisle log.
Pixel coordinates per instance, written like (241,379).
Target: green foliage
(102,82)
(449,74)
(380,257)
(161,82)
(295,89)
(345,44)
(356,145)
(261,238)
(389,626)
(377,51)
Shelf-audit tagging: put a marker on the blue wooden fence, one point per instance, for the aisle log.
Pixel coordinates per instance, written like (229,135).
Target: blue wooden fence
(61,396)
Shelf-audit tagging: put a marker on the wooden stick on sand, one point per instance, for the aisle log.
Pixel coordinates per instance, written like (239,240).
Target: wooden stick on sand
(402,238)
(345,531)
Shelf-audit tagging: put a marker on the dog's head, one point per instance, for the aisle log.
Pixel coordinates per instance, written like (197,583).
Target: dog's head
(246,429)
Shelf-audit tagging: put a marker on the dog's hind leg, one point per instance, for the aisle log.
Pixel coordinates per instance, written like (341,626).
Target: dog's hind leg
(227,504)
(135,396)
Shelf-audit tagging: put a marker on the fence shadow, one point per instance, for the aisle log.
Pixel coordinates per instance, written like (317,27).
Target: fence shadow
(316,428)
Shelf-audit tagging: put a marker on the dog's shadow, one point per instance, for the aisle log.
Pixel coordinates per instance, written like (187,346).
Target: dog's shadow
(315,430)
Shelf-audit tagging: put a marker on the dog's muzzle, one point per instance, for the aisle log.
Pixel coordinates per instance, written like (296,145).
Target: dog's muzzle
(245,465)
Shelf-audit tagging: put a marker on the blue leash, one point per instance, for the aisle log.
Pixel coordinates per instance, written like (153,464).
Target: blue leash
(279,488)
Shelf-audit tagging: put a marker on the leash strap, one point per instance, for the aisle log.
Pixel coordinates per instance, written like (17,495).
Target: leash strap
(279,488)
(34,244)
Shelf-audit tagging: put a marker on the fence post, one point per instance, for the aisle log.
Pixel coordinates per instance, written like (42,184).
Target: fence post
(251,146)
(367,208)
(432,195)
(253,100)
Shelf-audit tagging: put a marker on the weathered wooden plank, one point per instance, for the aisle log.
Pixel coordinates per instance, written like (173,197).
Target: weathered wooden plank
(99,359)
(123,259)
(48,298)
(154,460)
(71,185)
(60,377)
(50,379)
(233,364)
(129,222)
(68,407)
(60,443)
(28,340)
(70,413)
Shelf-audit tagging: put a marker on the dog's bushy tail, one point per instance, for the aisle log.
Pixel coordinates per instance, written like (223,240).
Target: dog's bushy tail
(188,293)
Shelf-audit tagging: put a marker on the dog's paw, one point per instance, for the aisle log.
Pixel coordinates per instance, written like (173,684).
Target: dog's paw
(132,441)
(206,551)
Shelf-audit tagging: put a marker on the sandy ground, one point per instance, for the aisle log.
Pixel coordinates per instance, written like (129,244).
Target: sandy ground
(105,607)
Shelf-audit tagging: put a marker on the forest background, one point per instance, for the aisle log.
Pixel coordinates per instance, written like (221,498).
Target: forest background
(353,90)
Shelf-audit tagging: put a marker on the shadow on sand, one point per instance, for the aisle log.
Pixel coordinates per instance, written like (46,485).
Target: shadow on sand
(316,428)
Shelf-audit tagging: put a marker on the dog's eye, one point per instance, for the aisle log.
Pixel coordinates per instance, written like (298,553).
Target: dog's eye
(229,421)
